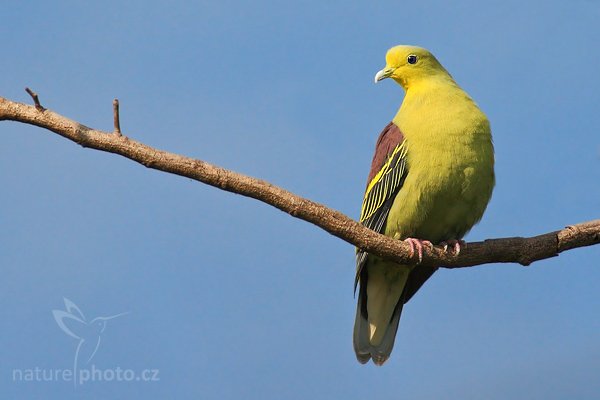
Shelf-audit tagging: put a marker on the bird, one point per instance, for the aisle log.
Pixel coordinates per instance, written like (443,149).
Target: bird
(88,333)
(431,179)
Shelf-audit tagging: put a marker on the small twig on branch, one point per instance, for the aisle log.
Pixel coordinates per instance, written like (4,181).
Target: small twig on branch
(116,118)
(507,250)
(35,98)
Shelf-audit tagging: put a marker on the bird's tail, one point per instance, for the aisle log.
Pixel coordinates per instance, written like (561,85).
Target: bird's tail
(378,312)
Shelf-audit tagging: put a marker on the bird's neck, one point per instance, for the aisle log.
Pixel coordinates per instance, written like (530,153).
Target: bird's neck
(433,82)
(435,105)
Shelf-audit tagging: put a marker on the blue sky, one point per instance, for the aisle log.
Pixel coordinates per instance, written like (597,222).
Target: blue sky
(229,298)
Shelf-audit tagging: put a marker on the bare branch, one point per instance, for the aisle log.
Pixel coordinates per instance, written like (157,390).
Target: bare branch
(116,118)
(35,98)
(506,250)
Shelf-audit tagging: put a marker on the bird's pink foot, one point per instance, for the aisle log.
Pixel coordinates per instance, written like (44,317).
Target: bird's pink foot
(457,245)
(417,244)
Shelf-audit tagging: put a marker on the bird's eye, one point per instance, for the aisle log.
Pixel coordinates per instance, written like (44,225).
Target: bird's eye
(412,59)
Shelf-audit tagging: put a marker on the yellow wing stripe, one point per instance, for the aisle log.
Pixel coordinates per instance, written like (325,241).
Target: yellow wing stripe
(384,183)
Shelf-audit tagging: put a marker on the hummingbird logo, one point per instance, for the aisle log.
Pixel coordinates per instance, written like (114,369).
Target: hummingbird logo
(87,333)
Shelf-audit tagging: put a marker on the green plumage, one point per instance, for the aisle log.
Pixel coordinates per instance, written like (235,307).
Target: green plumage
(434,185)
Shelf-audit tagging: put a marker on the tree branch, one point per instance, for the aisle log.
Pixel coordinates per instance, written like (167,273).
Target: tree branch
(506,250)
(35,99)
(116,117)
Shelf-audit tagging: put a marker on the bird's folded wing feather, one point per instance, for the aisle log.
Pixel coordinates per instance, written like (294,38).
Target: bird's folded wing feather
(388,171)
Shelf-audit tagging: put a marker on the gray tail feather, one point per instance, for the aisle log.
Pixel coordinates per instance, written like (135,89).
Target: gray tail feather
(362,345)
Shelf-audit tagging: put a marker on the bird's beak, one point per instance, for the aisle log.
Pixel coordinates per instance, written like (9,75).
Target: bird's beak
(115,316)
(384,73)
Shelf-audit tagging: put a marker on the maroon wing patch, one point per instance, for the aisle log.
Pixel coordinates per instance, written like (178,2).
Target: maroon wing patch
(388,139)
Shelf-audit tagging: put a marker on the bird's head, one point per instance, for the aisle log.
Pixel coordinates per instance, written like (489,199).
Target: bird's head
(408,65)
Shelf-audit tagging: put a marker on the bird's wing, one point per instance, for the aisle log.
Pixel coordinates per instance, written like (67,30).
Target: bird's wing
(70,324)
(388,171)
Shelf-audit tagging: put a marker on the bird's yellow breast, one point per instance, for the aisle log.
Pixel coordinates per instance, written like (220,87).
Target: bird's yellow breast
(450,164)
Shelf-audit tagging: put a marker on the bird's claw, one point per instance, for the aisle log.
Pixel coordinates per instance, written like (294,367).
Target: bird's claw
(457,245)
(417,244)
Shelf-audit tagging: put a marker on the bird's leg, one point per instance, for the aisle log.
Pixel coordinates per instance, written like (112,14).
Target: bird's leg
(457,245)
(418,245)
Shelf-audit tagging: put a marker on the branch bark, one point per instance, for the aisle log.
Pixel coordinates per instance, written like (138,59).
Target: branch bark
(505,250)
